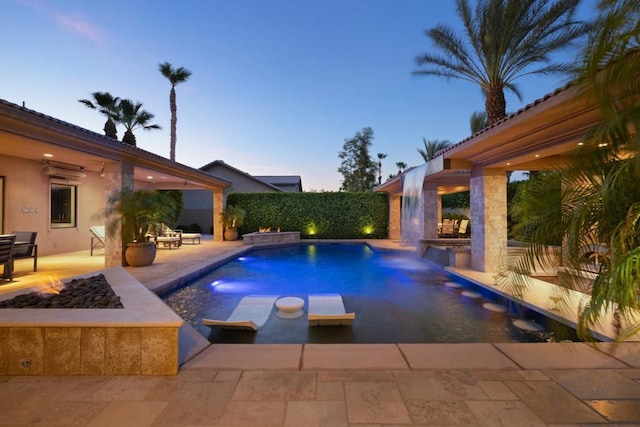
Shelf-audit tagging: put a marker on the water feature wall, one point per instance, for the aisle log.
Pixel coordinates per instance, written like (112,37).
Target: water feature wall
(411,213)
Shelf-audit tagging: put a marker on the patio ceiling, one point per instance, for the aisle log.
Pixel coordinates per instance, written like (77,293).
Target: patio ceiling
(541,136)
(30,135)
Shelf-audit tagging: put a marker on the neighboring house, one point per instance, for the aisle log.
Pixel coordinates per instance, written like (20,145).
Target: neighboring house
(55,179)
(198,205)
(288,183)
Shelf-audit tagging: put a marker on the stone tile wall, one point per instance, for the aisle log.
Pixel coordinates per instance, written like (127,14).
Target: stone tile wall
(88,351)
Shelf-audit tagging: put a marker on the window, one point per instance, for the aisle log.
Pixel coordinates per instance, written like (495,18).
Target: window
(63,205)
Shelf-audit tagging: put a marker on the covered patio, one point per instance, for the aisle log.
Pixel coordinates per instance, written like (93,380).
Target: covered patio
(41,156)
(540,136)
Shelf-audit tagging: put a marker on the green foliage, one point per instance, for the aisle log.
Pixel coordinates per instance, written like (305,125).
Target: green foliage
(192,228)
(140,211)
(178,201)
(327,215)
(432,147)
(456,200)
(233,216)
(357,168)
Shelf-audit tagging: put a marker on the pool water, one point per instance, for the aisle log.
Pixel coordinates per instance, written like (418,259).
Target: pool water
(397,298)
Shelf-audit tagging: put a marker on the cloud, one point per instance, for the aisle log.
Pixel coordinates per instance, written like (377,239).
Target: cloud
(79,25)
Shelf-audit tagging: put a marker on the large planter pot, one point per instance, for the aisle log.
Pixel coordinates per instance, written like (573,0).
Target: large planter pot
(231,234)
(140,254)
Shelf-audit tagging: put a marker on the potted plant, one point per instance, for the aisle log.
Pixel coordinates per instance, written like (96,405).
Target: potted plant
(141,212)
(232,218)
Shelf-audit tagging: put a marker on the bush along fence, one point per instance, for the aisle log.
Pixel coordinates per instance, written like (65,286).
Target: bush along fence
(329,215)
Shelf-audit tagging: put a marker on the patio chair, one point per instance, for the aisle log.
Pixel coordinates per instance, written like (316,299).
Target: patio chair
(328,309)
(462,229)
(168,237)
(25,247)
(98,238)
(6,258)
(448,227)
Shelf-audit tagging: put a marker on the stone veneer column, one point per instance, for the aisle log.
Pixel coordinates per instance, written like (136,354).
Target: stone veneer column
(218,206)
(488,218)
(117,176)
(394,216)
(429,217)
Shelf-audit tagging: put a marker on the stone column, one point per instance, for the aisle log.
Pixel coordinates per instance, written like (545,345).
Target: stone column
(218,207)
(488,218)
(117,177)
(394,216)
(429,218)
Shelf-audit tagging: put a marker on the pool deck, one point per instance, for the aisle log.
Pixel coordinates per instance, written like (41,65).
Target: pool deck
(334,385)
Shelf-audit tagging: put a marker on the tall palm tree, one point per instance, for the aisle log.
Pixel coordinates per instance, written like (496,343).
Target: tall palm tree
(132,116)
(401,166)
(502,40)
(108,105)
(380,157)
(175,76)
(432,147)
(598,199)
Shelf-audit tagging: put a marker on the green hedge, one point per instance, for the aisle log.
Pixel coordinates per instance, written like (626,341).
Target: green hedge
(329,215)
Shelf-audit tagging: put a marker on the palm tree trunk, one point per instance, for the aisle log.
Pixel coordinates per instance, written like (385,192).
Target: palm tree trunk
(495,104)
(174,120)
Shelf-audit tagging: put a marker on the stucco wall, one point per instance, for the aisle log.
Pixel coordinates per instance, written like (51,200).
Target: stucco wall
(27,206)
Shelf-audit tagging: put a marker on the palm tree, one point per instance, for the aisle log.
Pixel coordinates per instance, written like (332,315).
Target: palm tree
(380,157)
(502,40)
(108,105)
(432,147)
(401,166)
(478,121)
(175,76)
(598,199)
(132,116)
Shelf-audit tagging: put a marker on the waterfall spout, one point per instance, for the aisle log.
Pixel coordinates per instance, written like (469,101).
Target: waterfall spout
(412,204)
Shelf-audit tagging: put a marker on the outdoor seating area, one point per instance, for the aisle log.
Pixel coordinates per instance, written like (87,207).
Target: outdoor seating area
(6,260)
(17,245)
(98,237)
(450,227)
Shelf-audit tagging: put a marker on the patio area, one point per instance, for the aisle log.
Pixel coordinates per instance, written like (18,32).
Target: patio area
(330,384)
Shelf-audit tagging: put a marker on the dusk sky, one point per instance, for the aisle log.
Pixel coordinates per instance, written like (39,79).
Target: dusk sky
(277,85)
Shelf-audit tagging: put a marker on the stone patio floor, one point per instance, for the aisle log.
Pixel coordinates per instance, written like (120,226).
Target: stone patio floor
(536,384)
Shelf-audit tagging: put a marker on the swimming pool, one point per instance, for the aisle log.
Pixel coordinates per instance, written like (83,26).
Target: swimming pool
(397,298)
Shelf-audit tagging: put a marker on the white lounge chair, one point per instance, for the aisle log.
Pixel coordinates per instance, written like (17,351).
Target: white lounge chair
(98,238)
(251,313)
(328,309)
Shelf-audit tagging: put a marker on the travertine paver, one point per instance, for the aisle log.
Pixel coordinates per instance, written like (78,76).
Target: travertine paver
(350,356)
(558,356)
(504,414)
(440,412)
(252,413)
(439,386)
(622,411)
(316,414)
(128,413)
(455,356)
(276,385)
(596,383)
(375,402)
(552,404)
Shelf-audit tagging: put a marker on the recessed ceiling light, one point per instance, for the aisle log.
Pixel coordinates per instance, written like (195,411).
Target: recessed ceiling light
(508,164)
(537,155)
(48,155)
(149,177)
(580,143)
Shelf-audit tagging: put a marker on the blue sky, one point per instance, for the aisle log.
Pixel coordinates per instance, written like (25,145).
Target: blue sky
(277,86)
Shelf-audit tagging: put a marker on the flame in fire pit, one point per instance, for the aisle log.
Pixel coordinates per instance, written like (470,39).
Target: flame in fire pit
(52,288)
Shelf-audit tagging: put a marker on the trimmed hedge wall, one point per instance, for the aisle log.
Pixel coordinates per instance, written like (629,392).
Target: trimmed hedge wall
(329,215)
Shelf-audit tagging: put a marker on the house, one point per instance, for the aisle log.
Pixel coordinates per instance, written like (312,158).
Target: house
(56,178)
(288,183)
(198,205)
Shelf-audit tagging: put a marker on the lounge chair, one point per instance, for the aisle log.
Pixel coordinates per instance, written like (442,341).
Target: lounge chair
(6,258)
(462,229)
(168,231)
(448,227)
(252,312)
(168,238)
(328,309)
(25,247)
(98,238)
